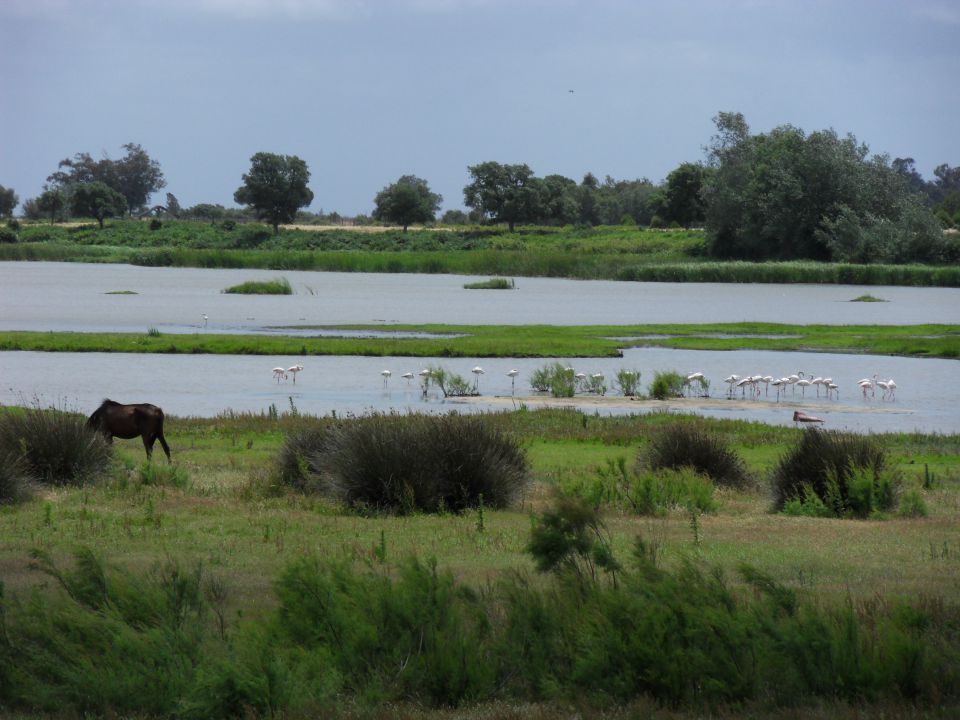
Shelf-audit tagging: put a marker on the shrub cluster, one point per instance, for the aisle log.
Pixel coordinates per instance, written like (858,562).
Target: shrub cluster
(667,384)
(53,446)
(409,463)
(599,630)
(692,444)
(835,474)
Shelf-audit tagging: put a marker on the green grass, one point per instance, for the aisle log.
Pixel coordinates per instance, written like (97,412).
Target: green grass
(606,252)
(219,509)
(491,284)
(940,341)
(867,298)
(278,286)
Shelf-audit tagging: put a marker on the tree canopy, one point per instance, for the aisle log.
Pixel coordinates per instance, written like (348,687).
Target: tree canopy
(786,194)
(503,193)
(8,201)
(275,187)
(135,176)
(97,200)
(407,201)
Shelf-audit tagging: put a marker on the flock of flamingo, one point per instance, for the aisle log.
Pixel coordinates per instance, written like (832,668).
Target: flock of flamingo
(752,383)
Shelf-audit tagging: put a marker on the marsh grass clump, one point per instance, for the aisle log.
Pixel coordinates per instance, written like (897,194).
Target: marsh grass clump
(55,446)
(491,284)
(277,286)
(628,382)
(15,478)
(296,465)
(403,464)
(835,474)
(667,384)
(451,384)
(691,444)
(867,298)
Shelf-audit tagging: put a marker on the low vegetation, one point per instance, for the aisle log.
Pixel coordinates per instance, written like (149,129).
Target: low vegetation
(491,284)
(695,445)
(278,286)
(667,384)
(235,582)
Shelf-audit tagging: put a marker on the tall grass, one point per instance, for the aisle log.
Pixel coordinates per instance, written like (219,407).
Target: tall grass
(402,464)
(53,445)
(835,474)
(692,444)
(277,286)
(667,384)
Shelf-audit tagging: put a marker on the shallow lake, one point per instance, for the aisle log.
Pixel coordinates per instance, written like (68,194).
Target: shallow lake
(76,296)
(79,297)
(207,385)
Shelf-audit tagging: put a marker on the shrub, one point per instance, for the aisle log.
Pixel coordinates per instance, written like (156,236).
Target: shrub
(7,235)
(912,505)
(14,477)
(847,473)
(667,384)
(295,461)
(557,379)
(278,286)
(628,382)
(691,444)
(401,464)
(55,446)
(450,384)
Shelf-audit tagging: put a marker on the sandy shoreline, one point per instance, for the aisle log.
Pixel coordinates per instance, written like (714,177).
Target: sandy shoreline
(617,402)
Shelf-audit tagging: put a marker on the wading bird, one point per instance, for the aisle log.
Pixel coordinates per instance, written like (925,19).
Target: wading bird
(293,370)
(512,374)
(408,376)
(386,376)
(477,372)
(279,373)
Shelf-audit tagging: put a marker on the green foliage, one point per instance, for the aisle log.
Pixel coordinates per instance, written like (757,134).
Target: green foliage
(275,187)
(570,538)
(450,384)
(8,235)
(786,194)
(8,201)
(55,446)
(667,384)
(504,193)
(96,200)
(846,473)
(403,464)
(491,284)
(407,201)
(912,505)
(693,445)
(627,382)
(158,475)
(277,286)
(15,477)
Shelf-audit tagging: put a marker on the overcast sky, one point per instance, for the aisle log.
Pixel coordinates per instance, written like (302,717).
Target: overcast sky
(368,90)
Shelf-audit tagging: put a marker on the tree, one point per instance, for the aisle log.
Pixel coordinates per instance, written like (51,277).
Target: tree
(97,200)
(173,205)
(52,203)
(558,200)
(275,187)
(455,217)
(503,193)
(785,195)
(135,176)
(681,199)
(8,201)
(407,201)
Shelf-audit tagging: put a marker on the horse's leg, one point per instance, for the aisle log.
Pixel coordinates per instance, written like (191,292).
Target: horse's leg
(163,444)
(148,445)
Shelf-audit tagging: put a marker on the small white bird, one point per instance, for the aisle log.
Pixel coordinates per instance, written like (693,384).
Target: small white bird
(512,374)
(293,370)
(477,372)
(408,376)
(279,373)
(386,376)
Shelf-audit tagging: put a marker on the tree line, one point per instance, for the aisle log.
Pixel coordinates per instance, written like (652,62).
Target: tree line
(785,194)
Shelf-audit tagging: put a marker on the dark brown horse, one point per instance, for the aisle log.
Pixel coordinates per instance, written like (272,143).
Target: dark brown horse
(129,421)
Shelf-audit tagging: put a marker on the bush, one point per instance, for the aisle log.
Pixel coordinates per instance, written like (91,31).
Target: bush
(691,444)
(845,473)
(628,382)
(401,464)
(55,446)
(277,286)
(667,384)
(295,461)
(15,477)
(8,235)
(557,379)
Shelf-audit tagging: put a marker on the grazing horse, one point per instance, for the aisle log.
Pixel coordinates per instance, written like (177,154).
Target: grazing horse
(129,421)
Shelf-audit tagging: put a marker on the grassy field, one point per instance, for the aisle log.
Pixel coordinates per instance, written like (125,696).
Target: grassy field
(219,507)
(609,252)
(939,341)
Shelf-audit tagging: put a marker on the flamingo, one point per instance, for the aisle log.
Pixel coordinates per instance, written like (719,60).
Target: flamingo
(512,374)
(205,318)
(731,381)
(293,370)
(698,376)
(804,384)
(386,376)
(280,374)
(817,382)
(892,388)
(408,376)
(477,372)
(778,383)
(832,387)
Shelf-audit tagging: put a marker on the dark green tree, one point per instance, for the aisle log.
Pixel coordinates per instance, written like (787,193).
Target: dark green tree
(135,176)
(52,203)
(96,200)
(587,193)
(407,201)
(558,200)
(275,188)
(503,193)
(681,199)
(8,201)
(173,205)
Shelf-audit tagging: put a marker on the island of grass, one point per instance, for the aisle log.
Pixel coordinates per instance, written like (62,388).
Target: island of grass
(277,286)
(120,292)
(868,298)
(491,284)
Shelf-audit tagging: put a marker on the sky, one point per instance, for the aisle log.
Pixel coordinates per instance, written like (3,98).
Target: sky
(366,91)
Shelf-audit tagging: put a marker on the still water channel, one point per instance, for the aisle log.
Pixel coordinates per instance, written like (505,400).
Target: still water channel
(64,296)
